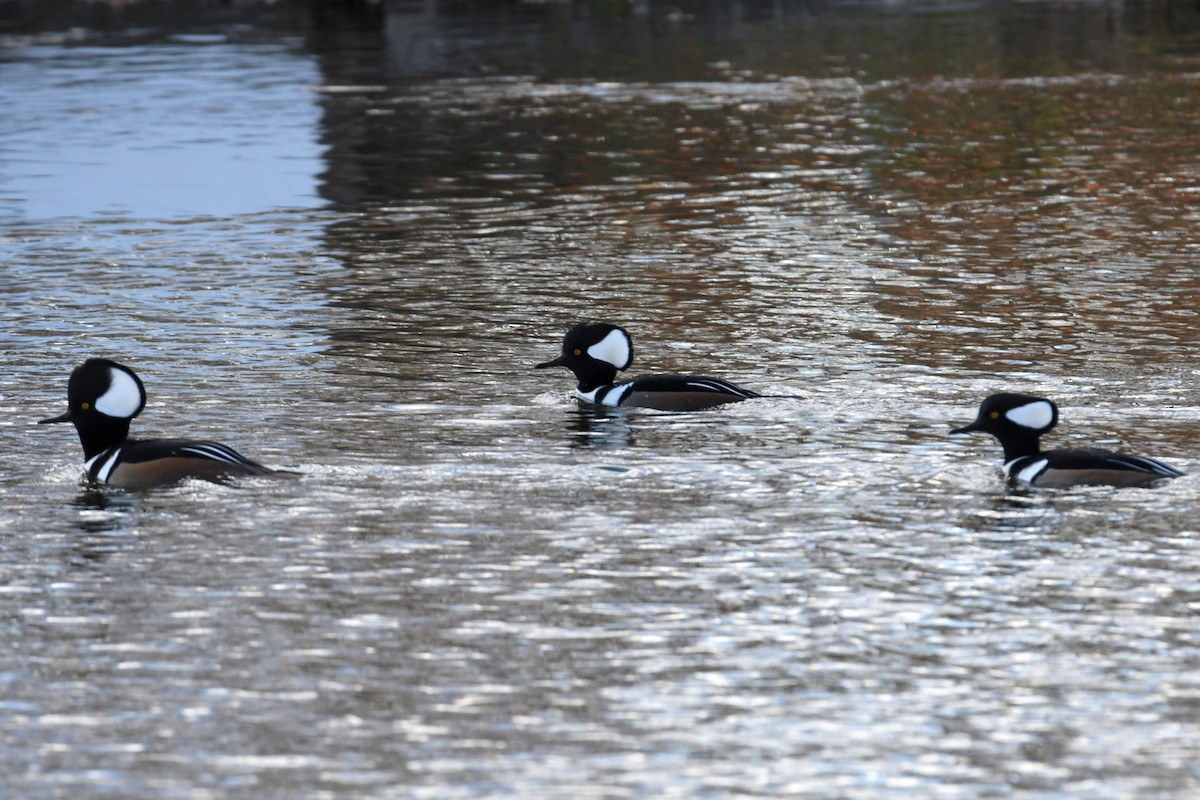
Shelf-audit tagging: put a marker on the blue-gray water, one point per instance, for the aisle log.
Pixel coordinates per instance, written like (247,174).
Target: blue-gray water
(341,251)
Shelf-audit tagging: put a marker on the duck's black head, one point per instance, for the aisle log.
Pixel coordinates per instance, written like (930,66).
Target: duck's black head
(103,397)
(1016,420)
(595,352)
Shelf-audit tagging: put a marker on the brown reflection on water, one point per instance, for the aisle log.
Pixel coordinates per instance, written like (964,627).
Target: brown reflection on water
(1087,138)
(1045,220)
(551,203)
(1041,207)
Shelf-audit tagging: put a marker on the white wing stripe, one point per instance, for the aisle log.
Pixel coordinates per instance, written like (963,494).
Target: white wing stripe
(719,386)
(1146,465)
(214,452)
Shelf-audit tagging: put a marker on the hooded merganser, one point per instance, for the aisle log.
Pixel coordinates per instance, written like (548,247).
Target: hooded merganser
(103,397)
(1018,420)
(595,352)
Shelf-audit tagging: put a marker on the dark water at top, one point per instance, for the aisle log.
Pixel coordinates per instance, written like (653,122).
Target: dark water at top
(338,243)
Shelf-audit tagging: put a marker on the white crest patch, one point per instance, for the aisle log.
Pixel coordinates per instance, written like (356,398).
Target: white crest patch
(123,398)
(615,349)
(1036,415)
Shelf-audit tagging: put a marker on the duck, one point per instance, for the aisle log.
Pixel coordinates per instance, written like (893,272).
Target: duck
(1018,421)
(103,398)
(597,351)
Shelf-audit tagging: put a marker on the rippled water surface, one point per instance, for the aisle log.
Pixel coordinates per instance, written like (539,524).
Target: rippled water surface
(340,245)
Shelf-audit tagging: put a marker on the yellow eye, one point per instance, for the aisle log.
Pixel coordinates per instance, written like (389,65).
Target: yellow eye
(578,352)
(85,406)
(995,415)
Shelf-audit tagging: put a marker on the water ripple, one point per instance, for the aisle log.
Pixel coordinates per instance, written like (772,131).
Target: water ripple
(478,588)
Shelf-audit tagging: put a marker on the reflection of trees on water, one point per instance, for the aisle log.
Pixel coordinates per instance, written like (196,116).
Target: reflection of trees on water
(995,143)
(1033,164)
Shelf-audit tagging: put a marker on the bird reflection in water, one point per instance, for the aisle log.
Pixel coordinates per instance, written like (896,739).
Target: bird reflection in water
(103,511)
(593,427)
